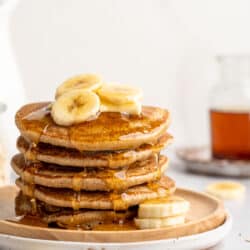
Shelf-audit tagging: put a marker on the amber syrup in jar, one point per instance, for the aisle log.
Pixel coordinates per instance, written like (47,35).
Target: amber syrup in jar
(230,133)
(230,108)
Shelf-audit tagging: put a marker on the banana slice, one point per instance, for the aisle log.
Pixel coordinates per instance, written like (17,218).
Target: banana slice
(159,223)
(89,82)
(74,107)
(226,190)
(119,94)
(163,207)
(130,108)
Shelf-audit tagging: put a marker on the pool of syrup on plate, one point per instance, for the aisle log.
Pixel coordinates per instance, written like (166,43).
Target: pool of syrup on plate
(35,221)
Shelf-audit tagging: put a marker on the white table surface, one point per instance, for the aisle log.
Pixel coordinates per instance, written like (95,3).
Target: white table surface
(240,209)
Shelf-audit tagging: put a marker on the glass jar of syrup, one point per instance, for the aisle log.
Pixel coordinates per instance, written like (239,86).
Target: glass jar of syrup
(230,109)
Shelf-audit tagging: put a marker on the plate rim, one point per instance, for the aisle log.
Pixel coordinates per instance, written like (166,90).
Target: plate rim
(227,225)
(213,217)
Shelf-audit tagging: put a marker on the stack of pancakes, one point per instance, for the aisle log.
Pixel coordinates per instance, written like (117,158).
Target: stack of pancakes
(92,173)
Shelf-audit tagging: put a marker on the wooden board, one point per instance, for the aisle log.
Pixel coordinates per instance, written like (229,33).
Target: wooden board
(206,213)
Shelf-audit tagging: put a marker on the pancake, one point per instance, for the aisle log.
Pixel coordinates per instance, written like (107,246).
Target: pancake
(107,131)
(68,217)
(99,200)
(72,157)
(90,179)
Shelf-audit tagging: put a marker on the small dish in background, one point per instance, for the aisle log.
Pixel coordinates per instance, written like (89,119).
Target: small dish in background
(199,160)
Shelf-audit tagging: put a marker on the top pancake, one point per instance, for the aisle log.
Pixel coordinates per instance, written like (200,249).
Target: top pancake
(107,131)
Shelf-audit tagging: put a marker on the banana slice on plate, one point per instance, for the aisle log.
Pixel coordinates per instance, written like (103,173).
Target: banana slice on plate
(162,212)
(74,107)
(226,190)
(163,207)
(119,94)
(130,108)
(89,82)
(159,223)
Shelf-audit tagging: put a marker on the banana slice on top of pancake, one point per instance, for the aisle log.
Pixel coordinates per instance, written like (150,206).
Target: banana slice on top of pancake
(120,98)
(74,107)
(76,100)
(90,82)
(119,94)
(134,108)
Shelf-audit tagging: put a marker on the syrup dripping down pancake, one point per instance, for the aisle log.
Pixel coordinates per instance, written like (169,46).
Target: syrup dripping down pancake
(90,179)
(66,217)
(99,200)
(72,157)
(107,131)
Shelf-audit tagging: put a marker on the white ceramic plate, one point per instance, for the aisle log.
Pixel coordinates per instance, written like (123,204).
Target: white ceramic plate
(198,241)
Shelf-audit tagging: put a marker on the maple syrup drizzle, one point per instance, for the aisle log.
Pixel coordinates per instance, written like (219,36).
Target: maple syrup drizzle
(159,170)
(118,202)
(76,202)
(33,206)
(29,190)
(40,122)
(31,169)
(116,179)
(77,180)
(30,154)
(154,187)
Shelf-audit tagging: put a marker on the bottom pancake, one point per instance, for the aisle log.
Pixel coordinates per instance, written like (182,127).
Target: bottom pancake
(68,218)
(99,200)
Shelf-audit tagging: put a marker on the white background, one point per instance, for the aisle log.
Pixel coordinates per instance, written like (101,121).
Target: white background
(167,47)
